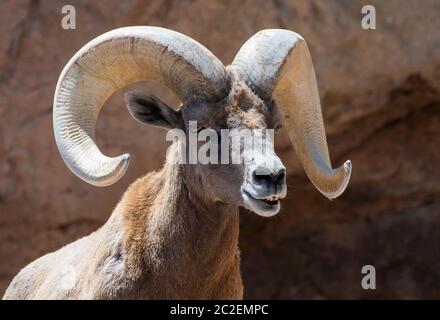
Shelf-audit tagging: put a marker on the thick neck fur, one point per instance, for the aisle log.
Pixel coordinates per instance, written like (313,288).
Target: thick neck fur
(177,244)
(163,241)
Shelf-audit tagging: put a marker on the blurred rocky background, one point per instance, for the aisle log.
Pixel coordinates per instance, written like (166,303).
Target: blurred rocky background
(381,104)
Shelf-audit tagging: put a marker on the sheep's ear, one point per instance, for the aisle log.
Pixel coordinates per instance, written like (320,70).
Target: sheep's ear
(150,110)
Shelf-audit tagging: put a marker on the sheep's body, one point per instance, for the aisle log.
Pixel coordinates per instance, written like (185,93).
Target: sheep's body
(162,241)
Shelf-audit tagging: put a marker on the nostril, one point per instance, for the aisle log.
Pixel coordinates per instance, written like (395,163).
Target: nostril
(279,177)
(261,178)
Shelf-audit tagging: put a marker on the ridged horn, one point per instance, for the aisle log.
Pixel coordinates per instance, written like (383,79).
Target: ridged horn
(276,64)
(111,62)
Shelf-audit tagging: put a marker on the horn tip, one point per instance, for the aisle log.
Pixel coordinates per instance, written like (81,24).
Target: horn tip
(345,169)
(126,157)
(116,174)
(124,162)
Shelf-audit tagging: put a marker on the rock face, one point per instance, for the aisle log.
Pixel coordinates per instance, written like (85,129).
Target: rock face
(381,104)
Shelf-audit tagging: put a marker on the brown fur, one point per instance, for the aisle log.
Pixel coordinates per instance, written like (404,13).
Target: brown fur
(173,245)
(185,245)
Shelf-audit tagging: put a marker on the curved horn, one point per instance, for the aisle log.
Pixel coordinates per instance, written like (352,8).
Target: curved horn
(277,64)
(111,62)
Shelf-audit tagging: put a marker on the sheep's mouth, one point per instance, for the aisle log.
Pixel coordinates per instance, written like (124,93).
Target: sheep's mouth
(270,201)
(263,206)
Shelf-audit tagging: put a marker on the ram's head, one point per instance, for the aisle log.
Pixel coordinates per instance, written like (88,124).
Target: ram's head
(270,81)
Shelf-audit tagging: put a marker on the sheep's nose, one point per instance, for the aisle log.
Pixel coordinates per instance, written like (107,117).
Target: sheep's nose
(268,176)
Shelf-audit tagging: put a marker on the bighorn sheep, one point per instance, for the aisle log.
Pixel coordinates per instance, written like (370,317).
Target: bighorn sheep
(174,233)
